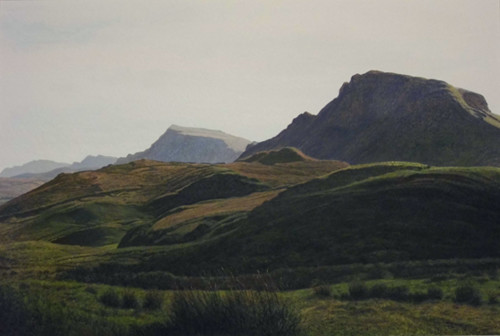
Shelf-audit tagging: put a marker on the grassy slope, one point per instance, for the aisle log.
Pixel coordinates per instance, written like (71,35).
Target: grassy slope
(475,189)
(370,213)
(98,207)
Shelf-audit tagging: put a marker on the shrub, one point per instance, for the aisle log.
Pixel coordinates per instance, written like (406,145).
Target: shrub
(110,298)
(129,300)
(398,293)
(13,312)
(322,290)
(358,290)
(492,298)
(418,297)
(378,291)
(91,290)
(434,293)
(241,312)
(469,294)
(153,300)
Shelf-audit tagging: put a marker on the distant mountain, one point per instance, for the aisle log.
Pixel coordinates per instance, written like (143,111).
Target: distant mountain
(183,144)
(385,117)
(92,162)
(89,163)
(33,174)
(32,167)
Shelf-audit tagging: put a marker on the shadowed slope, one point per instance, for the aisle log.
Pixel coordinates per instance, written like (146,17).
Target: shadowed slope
(372,213)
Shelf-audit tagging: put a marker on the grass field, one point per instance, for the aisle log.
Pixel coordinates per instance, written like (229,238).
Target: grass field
(314,246)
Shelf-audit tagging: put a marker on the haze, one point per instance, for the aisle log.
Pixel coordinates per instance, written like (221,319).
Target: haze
(94,77)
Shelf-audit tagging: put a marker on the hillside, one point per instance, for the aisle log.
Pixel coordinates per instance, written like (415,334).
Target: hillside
(411,235)
(388,212)
(13,187)
(99,207)
(283,155)
(184,144)
(390,117)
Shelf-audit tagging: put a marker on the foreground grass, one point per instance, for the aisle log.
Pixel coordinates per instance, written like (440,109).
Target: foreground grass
(68,308)
(384,317)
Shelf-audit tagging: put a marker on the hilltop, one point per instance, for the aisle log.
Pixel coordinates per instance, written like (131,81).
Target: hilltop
(381,116)
(283,155)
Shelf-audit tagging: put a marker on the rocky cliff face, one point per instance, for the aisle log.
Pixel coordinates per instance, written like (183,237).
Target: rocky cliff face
(183,144)
(386,117)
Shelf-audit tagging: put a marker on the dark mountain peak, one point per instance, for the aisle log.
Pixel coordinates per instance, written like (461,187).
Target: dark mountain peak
(380,116)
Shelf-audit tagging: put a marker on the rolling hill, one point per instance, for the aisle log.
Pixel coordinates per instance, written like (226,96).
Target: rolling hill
(381,116)
(388,212)
(99,207)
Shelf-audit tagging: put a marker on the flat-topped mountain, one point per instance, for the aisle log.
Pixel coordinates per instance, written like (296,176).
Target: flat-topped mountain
(381,116)
(185,144)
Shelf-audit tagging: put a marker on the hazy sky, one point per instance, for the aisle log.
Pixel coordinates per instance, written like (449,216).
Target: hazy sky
(109,77)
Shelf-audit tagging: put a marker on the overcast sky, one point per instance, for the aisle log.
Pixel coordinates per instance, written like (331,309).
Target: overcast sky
(109,77)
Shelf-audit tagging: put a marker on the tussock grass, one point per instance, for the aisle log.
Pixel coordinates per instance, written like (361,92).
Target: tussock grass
(237,312)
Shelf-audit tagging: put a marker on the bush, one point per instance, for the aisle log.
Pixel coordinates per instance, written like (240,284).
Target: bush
(13,312)
(492,298)
(91,290)
(434,293)
(378,291)
(398,293)
(129,300)
(110,298)
(358,290)
(468,294)
(235,312)
(322,290)
(153,300)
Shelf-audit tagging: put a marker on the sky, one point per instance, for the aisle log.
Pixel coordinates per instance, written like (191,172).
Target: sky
(109,77)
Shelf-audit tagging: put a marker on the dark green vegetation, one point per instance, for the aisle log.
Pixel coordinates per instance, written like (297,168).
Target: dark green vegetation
(241,312)
(389,117)
(390,212)
(284,242)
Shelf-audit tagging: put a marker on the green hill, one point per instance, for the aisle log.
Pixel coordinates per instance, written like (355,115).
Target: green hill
(362,214)
(96,208)
(283,155)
